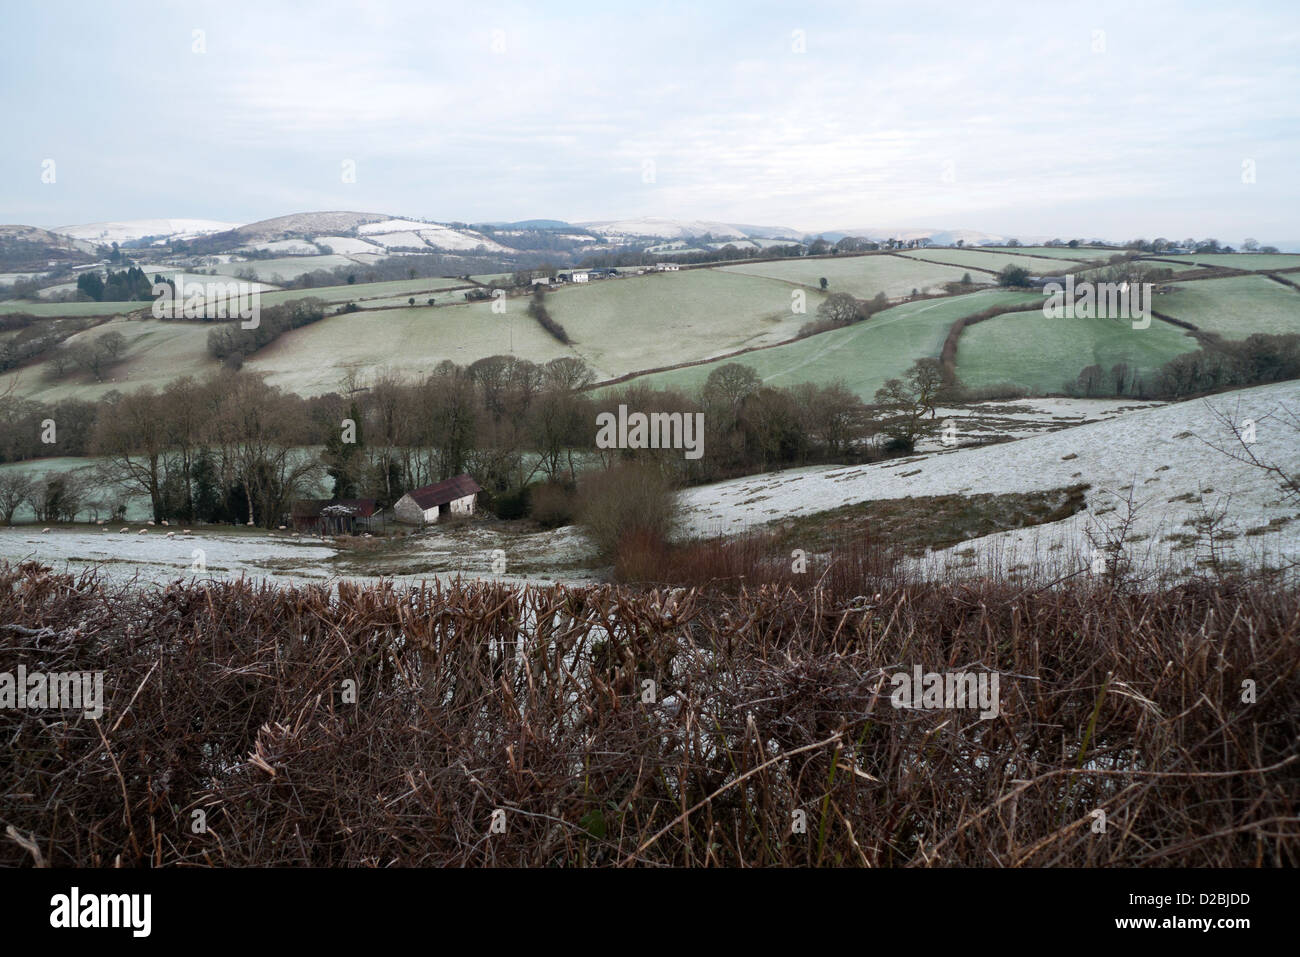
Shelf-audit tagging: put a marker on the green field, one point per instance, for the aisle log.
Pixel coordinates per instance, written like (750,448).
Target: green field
(1041,354)
(996,261)
(862,355)
(1082,254)
(403,288)
(617,326)
(56,309)
(1234,307)
(861,276)
(408,342)
(1175,266)
(1253,262)
(156,353)
(440,298)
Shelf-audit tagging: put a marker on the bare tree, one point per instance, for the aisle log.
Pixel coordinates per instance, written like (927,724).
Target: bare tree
(15,488)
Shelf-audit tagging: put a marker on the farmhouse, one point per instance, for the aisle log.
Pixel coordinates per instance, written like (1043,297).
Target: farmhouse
(580,277)
(667,267)
(338,516)
(423,506)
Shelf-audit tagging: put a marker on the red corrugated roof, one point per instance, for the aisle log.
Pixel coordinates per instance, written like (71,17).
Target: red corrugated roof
(431,496)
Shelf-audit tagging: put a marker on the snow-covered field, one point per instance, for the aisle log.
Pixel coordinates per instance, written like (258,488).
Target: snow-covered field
(154,557)
(1020,418)
(474,550)
(346,245)
(407,233)
(1164,456)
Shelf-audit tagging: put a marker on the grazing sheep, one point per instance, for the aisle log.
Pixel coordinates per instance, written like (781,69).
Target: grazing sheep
(143,531)
(282,528)
(123,531)
(44,531)
(171,534)
(150,522)
(164,521)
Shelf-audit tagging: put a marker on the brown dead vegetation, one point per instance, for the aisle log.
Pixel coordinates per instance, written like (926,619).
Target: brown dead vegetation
(231,699)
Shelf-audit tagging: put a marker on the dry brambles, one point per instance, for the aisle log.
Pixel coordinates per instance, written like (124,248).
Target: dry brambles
(228,698)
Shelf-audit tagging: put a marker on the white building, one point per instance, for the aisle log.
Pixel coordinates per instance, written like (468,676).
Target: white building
(425,506)
(580,277)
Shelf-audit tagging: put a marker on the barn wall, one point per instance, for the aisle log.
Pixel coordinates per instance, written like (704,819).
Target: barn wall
(407,511)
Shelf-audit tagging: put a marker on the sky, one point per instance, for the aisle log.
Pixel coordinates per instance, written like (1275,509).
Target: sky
(1095,120)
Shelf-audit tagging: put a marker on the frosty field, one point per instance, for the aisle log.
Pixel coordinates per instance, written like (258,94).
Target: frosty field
(157,352)
(861,276)
(1080,254)
(1234,307)
(969,258)
(56,309)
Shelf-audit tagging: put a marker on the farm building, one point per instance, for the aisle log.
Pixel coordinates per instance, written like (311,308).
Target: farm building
(423,506)
(580,277)
(339,516)
(667,267)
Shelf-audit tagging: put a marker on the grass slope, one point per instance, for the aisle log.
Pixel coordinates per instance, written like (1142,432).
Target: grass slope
(996,261)
(1031,350)
(862,276)
(863,355)
(1234,307)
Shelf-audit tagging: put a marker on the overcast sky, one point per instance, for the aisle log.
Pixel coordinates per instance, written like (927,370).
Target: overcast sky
(1010,118)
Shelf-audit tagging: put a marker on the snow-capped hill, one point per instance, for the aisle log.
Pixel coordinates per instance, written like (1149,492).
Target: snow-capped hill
(938,237)
(392,226)
(653,228)
(132,230)
(295,225)
(45,237)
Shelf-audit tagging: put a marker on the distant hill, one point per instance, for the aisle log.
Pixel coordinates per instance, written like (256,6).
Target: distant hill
(654,228)
(134,230)
(556,224)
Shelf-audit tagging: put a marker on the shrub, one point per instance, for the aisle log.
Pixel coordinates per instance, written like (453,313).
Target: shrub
(625,501)
(552,504)
(509,505)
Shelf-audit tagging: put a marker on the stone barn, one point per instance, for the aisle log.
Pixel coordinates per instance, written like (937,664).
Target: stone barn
(424,506)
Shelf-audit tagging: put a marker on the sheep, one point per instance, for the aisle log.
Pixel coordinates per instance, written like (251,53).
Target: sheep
(123,531)
(164,521)
(150,522)
(143,531)
(171,534)
(45,531)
